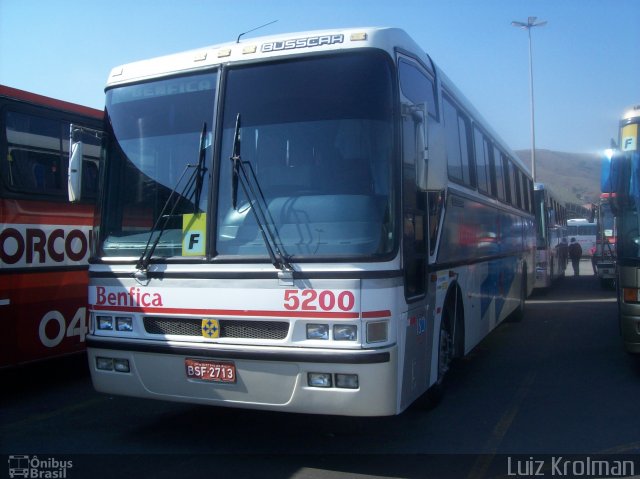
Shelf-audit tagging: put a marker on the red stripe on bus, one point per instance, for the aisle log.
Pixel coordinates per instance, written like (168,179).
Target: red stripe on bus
(376,314)
(244,313)
(33,279)
(45,213)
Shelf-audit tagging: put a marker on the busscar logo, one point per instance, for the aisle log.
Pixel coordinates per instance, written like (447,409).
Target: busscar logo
(307,42)
(35,467)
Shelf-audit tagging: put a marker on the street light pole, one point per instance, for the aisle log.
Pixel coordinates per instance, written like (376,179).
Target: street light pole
(531,22)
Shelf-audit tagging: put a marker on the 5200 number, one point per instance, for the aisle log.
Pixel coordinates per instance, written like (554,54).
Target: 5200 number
(312,300)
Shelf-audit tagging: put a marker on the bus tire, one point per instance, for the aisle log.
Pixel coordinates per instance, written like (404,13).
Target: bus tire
(448,348)
(518,314)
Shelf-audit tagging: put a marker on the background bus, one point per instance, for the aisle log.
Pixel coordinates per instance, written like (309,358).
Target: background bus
(44,240)
(605,255)
(551,228)
(622,178)
(369,228)
(585,233)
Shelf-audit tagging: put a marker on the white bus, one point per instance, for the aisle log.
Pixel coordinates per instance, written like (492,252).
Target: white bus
(585,233)
(551,232)
(316,222)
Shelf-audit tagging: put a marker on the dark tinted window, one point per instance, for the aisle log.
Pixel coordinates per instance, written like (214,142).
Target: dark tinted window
(37,153)
(481,149)
(417,87)
(456,131)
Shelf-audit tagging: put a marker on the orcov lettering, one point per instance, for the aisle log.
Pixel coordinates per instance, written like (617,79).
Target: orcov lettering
(31,245)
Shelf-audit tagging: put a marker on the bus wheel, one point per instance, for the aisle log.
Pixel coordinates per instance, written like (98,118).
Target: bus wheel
(446,353)
(518,314)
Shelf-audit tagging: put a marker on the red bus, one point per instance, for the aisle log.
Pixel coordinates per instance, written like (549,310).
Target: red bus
(44,239)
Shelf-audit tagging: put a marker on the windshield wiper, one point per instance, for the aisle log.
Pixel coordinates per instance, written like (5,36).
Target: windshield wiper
(194,182)
(200,168)
(242,172)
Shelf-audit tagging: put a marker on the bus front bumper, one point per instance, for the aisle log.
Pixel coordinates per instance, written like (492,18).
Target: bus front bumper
(269,378)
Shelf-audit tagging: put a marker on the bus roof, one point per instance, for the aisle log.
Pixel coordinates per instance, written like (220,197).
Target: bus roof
(28,97)
(285,45)
(631,113)
(262,48)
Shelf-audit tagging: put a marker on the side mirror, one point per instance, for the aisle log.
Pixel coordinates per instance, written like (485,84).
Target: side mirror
(76,154)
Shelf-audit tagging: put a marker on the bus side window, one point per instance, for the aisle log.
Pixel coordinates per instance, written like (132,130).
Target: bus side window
(507,178)
(499,174)
(457,135)
(34,158)
(481,149)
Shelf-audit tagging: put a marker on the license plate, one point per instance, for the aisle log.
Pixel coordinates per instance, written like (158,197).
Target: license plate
(210,371)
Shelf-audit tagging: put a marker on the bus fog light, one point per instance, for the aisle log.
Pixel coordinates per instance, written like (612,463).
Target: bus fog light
(317,331)
(124,324)
(121,365)
(377,332)
(347,381)
(104,364)
(105,323)
(319,380)
(345,332)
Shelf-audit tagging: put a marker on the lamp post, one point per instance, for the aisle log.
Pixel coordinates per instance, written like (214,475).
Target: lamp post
(531,22)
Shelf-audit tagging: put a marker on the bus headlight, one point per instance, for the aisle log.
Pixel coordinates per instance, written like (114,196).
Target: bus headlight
(345,332)
(121,365)
(319,380)
(317,331)
(377,331)
(124,324)
(347,381)
(104,364)
(105,323)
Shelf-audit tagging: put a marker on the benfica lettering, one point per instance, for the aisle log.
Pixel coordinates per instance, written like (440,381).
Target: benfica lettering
(308,42)
(134,298)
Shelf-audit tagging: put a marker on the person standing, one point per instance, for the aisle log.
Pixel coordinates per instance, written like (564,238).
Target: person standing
(563,253)
(575,253)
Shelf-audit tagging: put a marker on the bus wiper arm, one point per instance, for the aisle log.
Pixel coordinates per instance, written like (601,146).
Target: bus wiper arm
(242,172)
(194,182)
(201,169)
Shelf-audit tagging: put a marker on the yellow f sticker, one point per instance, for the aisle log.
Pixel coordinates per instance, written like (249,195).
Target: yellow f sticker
(210,328)
(194,229)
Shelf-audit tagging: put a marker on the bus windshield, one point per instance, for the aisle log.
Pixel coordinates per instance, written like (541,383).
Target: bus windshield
(155,133)
(317,133)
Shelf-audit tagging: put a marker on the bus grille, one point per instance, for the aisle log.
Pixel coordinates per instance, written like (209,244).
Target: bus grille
(228,328)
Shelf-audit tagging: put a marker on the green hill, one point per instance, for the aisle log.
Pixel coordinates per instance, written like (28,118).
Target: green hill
(573,177)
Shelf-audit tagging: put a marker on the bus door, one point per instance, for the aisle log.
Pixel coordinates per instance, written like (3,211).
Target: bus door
(417,102)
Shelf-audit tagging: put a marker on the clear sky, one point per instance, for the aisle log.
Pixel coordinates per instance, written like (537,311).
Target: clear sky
(586,59)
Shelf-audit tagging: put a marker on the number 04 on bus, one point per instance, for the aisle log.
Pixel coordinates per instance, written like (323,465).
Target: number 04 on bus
(316,222)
